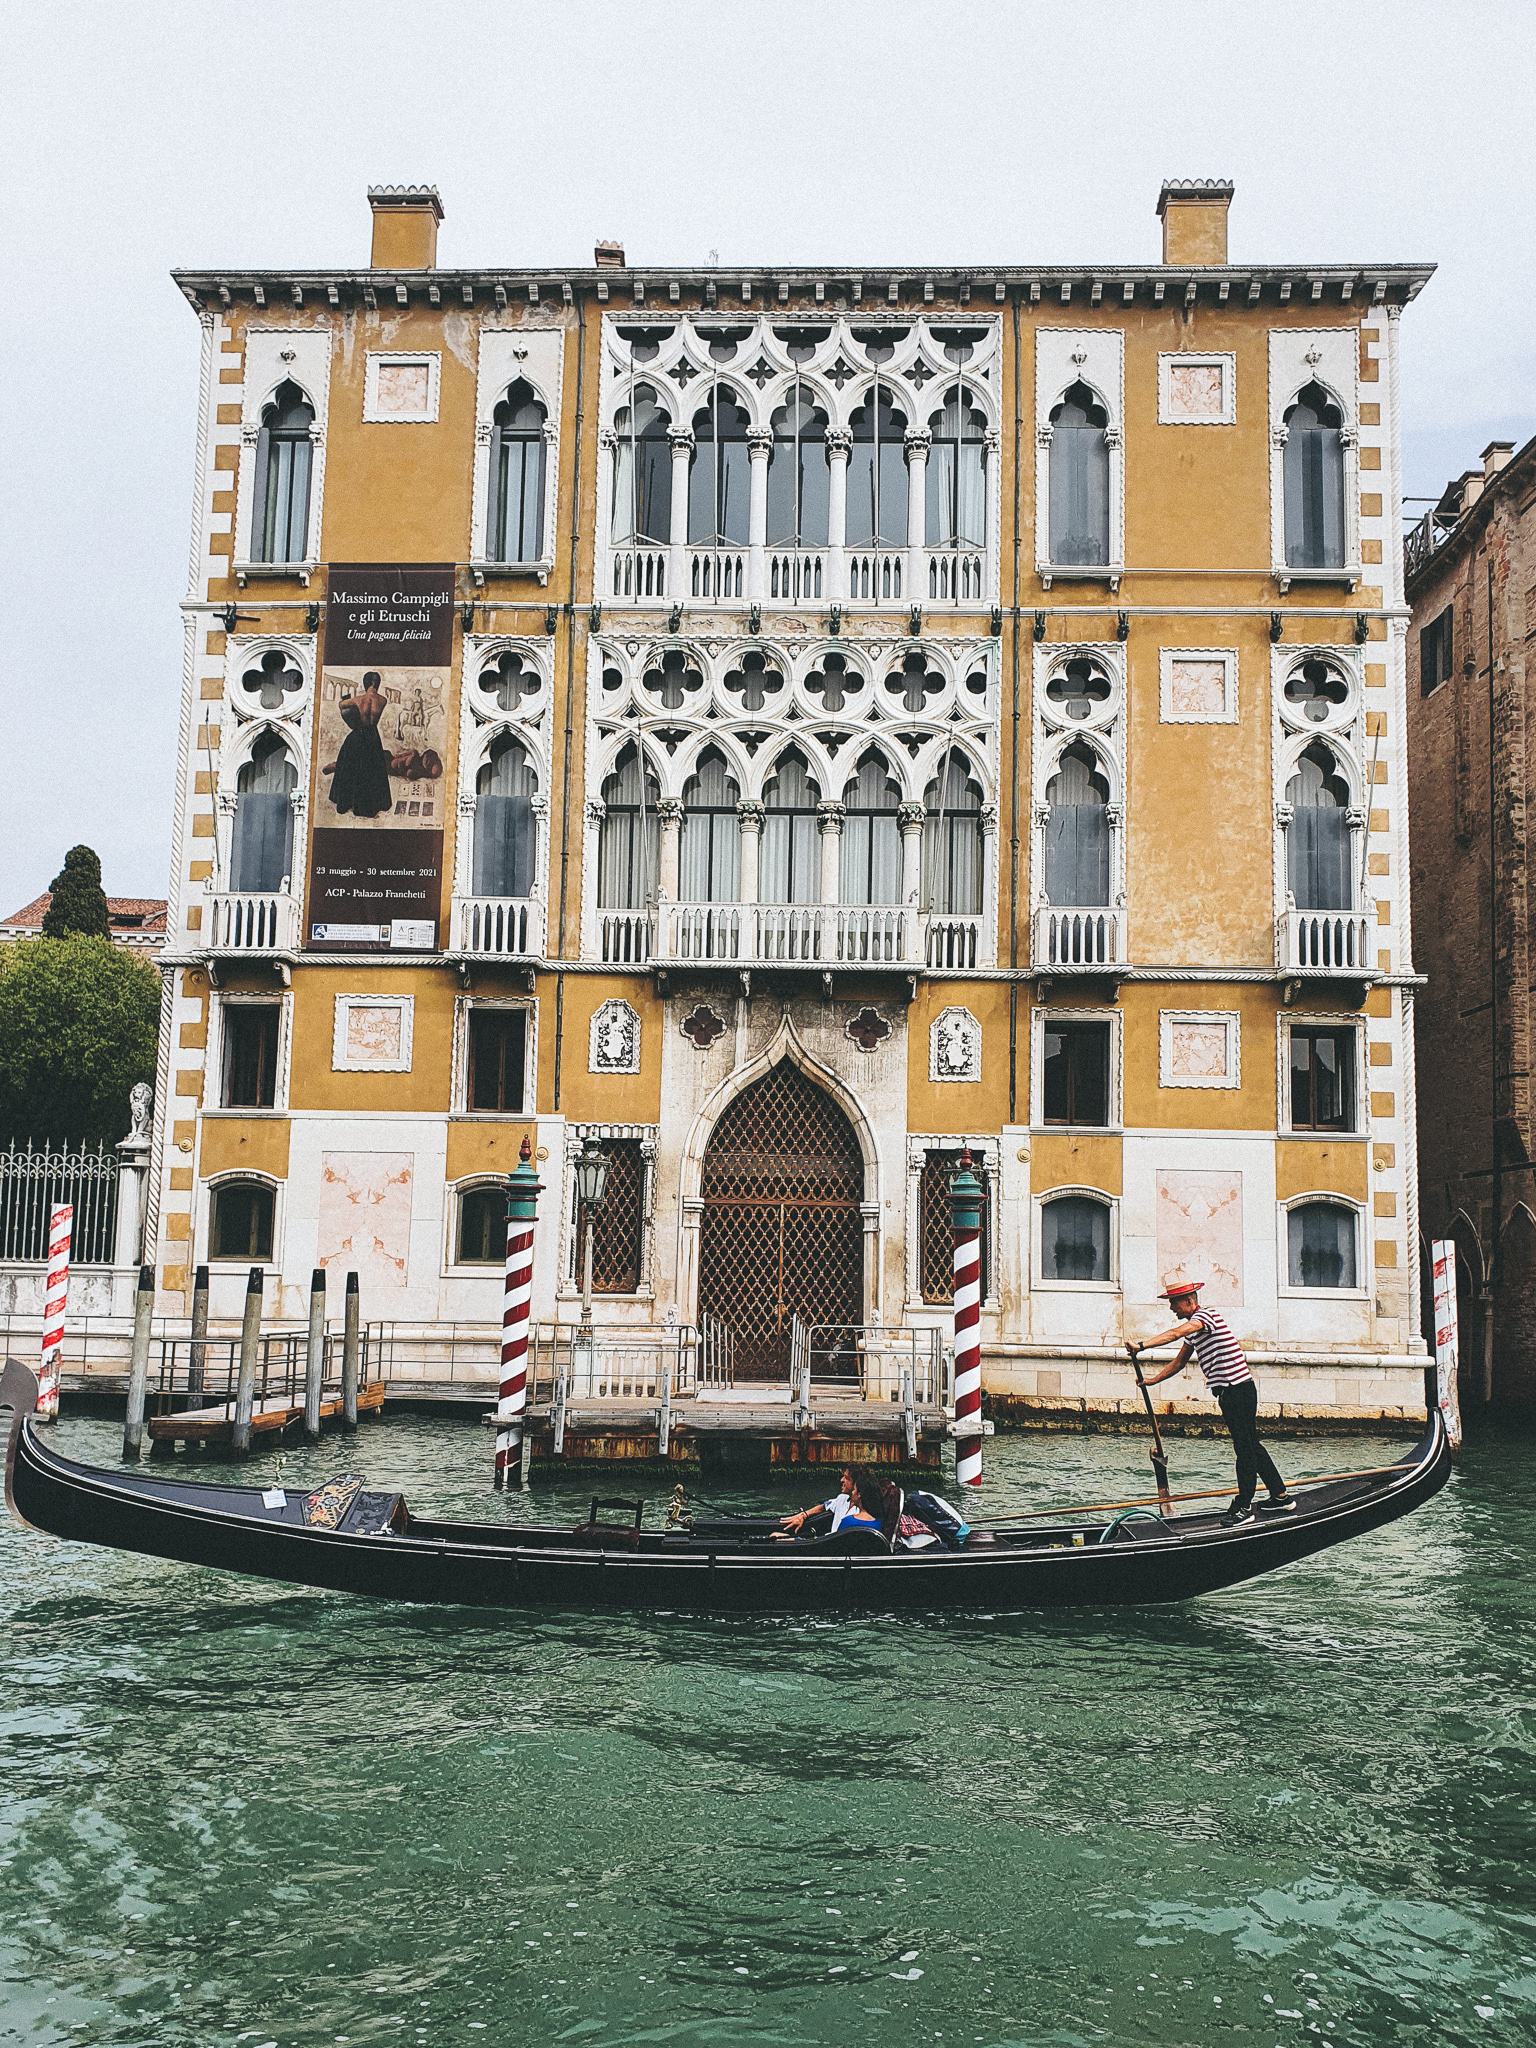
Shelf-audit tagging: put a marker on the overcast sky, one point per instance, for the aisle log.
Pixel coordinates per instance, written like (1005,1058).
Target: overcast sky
(154,133)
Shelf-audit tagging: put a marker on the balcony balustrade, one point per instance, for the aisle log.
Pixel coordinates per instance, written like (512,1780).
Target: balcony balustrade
(253,922)
(640,575)
(725,577)
(1325,941)
(499,927)
(1084,939)
(956,576)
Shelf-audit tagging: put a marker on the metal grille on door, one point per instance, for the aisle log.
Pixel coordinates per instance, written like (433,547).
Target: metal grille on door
(781,1232)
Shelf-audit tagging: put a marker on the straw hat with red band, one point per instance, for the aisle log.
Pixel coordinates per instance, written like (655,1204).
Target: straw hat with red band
(1181,1290)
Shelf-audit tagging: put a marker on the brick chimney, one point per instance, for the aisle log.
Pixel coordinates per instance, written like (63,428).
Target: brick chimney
(609,255)
(405,219)
(1193,212)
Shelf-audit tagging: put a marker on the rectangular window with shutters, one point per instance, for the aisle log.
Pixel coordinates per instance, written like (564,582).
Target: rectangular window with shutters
(1074,1073)
(1322,1078)
(936,1234)
(497,1047)
(251,1032)
(1435,643)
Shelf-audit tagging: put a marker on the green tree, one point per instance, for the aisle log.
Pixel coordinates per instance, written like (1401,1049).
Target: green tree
(78,1025)
(79,902)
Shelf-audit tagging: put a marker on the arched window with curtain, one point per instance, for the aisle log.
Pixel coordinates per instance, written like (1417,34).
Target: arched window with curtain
(629,844)
(284,460)
(1077,829)
(719,489)
(515,515)
(799,479)
(1314,481)
(642,471)
(1079,468)
(1074,1239)
(1319,871)
(870,870)
(709,853)
(952,841)
(957,472)
(261,851)
(788,869)
(506,831)
(1321,1245)
(877,475)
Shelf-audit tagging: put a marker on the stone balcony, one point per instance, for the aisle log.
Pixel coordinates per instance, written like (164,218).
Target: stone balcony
(1324,942)
(253,922)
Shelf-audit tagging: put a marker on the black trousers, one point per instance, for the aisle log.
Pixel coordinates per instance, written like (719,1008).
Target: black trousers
(1240,1412)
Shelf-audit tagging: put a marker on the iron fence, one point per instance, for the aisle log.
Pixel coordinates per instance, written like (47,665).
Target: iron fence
(35,1180)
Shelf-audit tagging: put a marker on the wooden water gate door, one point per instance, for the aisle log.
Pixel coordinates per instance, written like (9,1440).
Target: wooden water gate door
(781,1234)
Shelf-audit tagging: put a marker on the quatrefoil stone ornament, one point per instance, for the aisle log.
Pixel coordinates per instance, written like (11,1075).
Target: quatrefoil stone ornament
(273,679)
(868,1029)
(509,681)
(753,681)
(702,1027)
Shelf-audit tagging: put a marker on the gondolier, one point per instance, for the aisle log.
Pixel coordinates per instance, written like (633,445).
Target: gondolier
(1203,1334)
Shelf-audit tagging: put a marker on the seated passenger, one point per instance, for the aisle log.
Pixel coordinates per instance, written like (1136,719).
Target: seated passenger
(826,1515)
(870,1504)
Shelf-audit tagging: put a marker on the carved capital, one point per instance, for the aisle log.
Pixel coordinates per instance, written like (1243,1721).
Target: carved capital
(917,441)
(1044,433)
(483,434)
(227,800)
(298,801)
(608,439)
(751,814)
(467,805)
(540,806)
(680,440)
(830,816)
(1279,435)
(839,442)
(1114,816)
(669,811)
(1283,815)
(248,436)
(989,817)
(759,443)
(597,810)
(910,816)
(994,440)
(1113,438)
(1358,815)
(1348,438)
(1042,814)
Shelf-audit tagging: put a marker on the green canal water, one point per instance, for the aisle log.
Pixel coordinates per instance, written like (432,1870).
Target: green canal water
(1299,1811)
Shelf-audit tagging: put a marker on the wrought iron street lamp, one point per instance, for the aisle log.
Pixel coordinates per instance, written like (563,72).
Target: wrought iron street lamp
(592,1164)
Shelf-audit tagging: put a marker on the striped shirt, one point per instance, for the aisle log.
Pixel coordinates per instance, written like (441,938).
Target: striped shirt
(1217,1352)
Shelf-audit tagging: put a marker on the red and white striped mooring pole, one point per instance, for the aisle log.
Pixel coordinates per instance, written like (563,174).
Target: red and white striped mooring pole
(965,1209)
(60,1224)
(523,1191)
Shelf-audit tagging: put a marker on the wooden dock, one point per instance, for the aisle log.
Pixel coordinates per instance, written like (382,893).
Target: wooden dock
(269,1418)
(736,1436)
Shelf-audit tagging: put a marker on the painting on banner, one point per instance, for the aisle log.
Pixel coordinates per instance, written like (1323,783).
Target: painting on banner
(381,796)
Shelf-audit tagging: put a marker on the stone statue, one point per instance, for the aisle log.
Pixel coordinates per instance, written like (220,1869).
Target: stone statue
(141,1102)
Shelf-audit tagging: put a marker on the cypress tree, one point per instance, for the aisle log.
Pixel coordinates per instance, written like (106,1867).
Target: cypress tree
(79,905)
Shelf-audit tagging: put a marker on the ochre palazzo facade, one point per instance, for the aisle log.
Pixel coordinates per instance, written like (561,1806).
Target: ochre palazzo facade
(794,724)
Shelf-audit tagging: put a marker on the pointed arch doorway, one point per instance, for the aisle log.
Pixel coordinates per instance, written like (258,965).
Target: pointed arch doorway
(781,1232)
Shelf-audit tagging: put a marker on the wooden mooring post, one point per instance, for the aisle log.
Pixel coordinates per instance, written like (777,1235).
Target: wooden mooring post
(138,1364)
(349,1356)
(197,1353)
(245,1385)
(314,1356)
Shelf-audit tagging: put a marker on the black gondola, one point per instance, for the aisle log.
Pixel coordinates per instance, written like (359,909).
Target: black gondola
(349,1538)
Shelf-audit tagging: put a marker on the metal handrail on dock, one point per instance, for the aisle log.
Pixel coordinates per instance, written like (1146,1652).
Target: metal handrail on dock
(627,1361)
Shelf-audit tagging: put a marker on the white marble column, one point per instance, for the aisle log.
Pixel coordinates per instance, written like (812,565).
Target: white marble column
(829,823)
(839,448)
(909,823)
(669,815)
(918,441)
(751,816)
(759,453)
(680,440)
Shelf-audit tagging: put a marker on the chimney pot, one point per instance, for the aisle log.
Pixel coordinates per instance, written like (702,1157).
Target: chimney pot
(1193,212)
(1495,456)
(609,255)
(405,221)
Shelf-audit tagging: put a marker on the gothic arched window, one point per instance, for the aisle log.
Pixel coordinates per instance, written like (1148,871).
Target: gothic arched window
(1077,830)
(642,471)
(1318,865)
(877,476)
(719,489)
(284,458)
(629,844)
(788,871)
(261,852)
(1314,482)
(1079,479)
(957,476)
(506,832)
(799,479)
(709,853)
(952,842)
(515,518)
(870,870)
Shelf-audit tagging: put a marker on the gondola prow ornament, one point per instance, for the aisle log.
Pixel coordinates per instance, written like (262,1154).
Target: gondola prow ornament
(523,1191)
(965,1211)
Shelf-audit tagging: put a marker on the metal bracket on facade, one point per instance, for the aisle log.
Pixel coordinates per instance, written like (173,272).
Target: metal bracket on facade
(1039,625)
(1276,625)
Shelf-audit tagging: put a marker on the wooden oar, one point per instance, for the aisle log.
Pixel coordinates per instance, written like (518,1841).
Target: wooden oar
(1157,1454)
